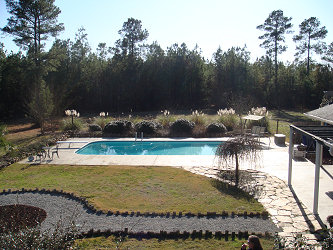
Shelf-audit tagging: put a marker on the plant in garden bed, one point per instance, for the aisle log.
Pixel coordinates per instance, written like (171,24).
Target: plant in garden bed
(216,129)
(228,118)
(118,127)
(299,241)
(236,149)
(102,120)
(147,127)
(72,113)
(94,128)
(165,119)
(135,119)
(3,131)
(182,127)
(71,125)
(198,118)
(21,230)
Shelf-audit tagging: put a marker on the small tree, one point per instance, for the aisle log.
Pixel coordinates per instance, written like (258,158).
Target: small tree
(41,105)
(236,149)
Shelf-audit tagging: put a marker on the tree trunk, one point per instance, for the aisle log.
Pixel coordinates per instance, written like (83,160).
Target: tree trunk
(276,63)
(308,64)
(236,171)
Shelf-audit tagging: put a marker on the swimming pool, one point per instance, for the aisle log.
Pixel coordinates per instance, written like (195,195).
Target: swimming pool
(150,148)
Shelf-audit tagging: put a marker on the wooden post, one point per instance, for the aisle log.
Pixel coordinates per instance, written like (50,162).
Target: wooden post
(277,127)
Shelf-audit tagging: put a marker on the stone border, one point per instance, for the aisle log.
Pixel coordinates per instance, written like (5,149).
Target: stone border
(163,235)
(90,208)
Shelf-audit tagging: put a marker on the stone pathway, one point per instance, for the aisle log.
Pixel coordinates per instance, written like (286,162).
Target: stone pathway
(286,211)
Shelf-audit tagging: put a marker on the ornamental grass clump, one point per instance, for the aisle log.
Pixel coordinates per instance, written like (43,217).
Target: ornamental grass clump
(74,125)
(71,125)
(182,127)
(228,118)
(198,117)
(102,119)
(165,119)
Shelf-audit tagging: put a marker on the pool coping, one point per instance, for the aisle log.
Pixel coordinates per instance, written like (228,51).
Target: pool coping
(69,156)
(146,142)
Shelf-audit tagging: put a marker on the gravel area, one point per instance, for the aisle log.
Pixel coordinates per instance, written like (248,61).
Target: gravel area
(60,208)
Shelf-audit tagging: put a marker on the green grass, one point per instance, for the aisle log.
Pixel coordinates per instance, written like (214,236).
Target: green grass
(128,188)
(285,119)
(211,243)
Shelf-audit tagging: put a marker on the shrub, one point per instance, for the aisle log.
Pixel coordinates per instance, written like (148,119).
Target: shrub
(101,121)
(148,127)
(198,117)
(230,121)
(118,127)
(67,125)
(3,131)
(216,128)
(165,120)
(181,126)
(94,127)
(61,237)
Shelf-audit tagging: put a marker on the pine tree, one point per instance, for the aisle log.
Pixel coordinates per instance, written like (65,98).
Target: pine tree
(275,27)
(310,31)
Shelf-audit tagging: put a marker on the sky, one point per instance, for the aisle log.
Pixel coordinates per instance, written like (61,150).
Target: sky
(208,23)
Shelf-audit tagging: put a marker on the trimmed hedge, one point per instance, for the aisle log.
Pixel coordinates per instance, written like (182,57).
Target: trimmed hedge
(94,127)
(182,126)
(118,127)
(147,127)
(216,128)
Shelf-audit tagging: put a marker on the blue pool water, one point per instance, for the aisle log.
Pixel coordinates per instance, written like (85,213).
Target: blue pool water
(150,148)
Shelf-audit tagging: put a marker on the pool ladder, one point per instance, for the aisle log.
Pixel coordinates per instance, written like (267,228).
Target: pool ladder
(136,136)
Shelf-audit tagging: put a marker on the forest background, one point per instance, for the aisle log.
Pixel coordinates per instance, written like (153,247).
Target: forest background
(134,76)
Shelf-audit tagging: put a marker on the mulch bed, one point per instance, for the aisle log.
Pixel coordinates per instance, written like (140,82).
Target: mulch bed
(14,218)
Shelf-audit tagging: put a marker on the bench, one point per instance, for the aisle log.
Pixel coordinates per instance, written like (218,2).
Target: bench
(70,142)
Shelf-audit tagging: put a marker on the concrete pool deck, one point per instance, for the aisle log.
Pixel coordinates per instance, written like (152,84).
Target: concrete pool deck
(273,163)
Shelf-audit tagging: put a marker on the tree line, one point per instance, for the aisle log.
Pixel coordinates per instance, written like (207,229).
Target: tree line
(135,76)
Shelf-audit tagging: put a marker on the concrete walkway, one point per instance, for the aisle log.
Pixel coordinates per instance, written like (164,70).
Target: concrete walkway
(290,209)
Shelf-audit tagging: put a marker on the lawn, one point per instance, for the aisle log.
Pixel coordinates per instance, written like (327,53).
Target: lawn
(285,118)
(128,188)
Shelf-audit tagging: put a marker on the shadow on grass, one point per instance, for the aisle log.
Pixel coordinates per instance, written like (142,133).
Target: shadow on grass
(228,189)
(284,116)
